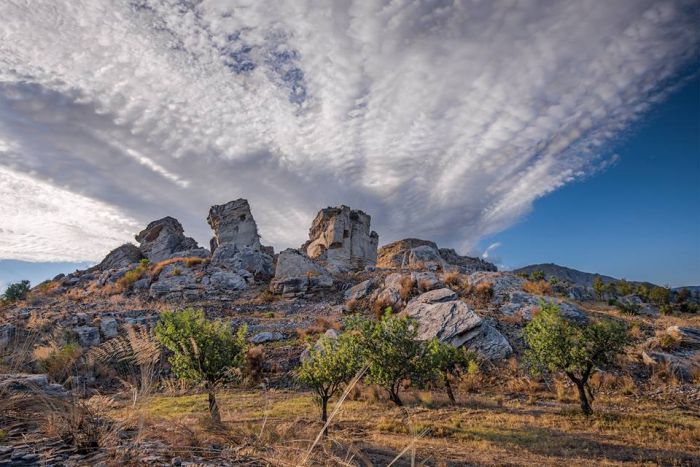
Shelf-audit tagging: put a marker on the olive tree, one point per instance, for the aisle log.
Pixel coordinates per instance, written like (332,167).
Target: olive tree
(558,345)
(446,360)
(203,351)
(330,364)
(16,291)
(391,352)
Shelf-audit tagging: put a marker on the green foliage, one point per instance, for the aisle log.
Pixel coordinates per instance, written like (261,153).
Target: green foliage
(557,345)
(16,291)
(204,351)
(624,287)
(144,263)
(445,360)
(330,364)
(599,287)
(627,308)
(683,295)
(689,307)
(660,295)
(666,309)
(127,280)
(392,353)
(554,280)
(537,275)
(643,292)
(59,364)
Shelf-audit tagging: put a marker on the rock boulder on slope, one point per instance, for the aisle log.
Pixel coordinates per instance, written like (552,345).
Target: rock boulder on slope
(163,239)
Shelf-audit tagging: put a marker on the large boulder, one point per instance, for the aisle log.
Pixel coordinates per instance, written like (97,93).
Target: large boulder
(121,257)
(233,223)
(440,314)
(163,239)
(236,242)
(296,273)
(341,237)
(394,255)
(417,254)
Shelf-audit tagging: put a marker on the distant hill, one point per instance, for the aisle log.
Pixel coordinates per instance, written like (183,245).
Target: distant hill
(574,276)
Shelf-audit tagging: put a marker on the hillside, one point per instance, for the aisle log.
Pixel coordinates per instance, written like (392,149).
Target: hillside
(572,276)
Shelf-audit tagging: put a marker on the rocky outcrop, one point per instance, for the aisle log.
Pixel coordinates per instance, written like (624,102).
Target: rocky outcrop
(440,314)
(233,223)
(502,283)
(236,242)
(526,305)
(121,257)
(416,254)
(163,239)
(341,238)
(34,384)
(296,274)
(360,291)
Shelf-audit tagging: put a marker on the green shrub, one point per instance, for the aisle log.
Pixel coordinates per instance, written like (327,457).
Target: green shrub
(203,351)
(560,346)
(537,275)
(666,309)
(447,360)
(17,291)
(689,307)
(59,362)
(627,308)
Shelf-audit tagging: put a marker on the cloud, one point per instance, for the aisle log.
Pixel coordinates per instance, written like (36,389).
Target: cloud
(489,249)
(443,120)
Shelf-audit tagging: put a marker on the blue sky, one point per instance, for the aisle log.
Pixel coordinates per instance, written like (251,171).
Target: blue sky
(639,219)
(468,123)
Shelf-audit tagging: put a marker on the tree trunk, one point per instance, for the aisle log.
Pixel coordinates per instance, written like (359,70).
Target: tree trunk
(448,387)
(324,414)
(585,405)
(394,397)
(214,408)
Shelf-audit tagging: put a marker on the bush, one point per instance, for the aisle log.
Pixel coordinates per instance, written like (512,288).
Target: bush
(560,346)
(58,363)
(447,360)
(666,309)
(17,291)
(689,307)
(537,275)
(626,308)
(203,351)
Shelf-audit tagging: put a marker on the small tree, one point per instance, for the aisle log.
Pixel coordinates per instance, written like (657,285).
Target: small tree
(391,352)
(557,345)
(599,287)
(660,295)
(624,287)
(204,351)
(16,291)
(331,363)
(683,295)
(538,275)
(447,360)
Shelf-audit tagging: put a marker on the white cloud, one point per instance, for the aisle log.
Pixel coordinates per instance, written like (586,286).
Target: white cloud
(444,120)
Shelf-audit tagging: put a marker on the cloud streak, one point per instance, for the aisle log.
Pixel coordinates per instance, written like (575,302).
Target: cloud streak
(443,120)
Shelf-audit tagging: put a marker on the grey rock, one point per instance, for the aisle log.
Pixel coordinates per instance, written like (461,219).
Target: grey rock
(424,257)
(163,238)
(27,383)
(121,257)
(7,334)
(426,280)
(267,337)
(503,283)
(233,223)
(688,337)
(465,264)
(224,280)
(360,290)
(174,287)
(393,255)
(441,315)
(682,365)
(296,273)
(234,258)
(88,336)
(109,327)
(341,238)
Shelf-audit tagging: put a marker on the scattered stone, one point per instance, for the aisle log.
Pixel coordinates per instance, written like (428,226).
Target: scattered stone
(88,336)
(341,238)
(109,327)
(163,239)
(23,383)
(360,290)
(267,337)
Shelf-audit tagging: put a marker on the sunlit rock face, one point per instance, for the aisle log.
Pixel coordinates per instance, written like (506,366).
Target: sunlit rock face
(163,238)
(341,237)
(233,223)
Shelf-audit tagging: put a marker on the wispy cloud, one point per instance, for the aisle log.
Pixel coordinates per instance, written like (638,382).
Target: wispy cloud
(442,119)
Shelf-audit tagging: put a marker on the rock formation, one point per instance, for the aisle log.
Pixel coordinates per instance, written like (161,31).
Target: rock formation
(236,242)
(341,237)
(417,254)
(163,239)
(233,223)
(121,257)
(441,314)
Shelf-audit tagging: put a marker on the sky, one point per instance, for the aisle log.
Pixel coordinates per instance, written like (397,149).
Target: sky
(536,125)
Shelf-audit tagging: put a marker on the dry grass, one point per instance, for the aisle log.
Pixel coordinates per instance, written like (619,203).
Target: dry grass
(537,288)
(406,288)
(188,261)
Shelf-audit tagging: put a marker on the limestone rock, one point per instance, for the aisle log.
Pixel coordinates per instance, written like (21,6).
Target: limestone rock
(109,327)
(163,238)
(503,283)
(296,273)
(121,257)
(27,383)
(682,364)
(262,337)
(465,264)
(231,257)
(426,280)
(391,256)
(360,290)
(688,337)
(7,334)
(442,315)
(233,223)
(176,287)
(224,280)
(88,336)
(341,237)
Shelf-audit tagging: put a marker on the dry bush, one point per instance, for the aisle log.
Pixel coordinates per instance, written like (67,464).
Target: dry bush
(322,324)
(666,341)
(561,390)
(482,293)
(75,294)
(524,385)
(425,285)
(265,297)
(80,423)
(37,322)
(538,287)
(58,362)
(635,331)
(254,362)
(517,319)
(406,288)
(454,280)
(380,305)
